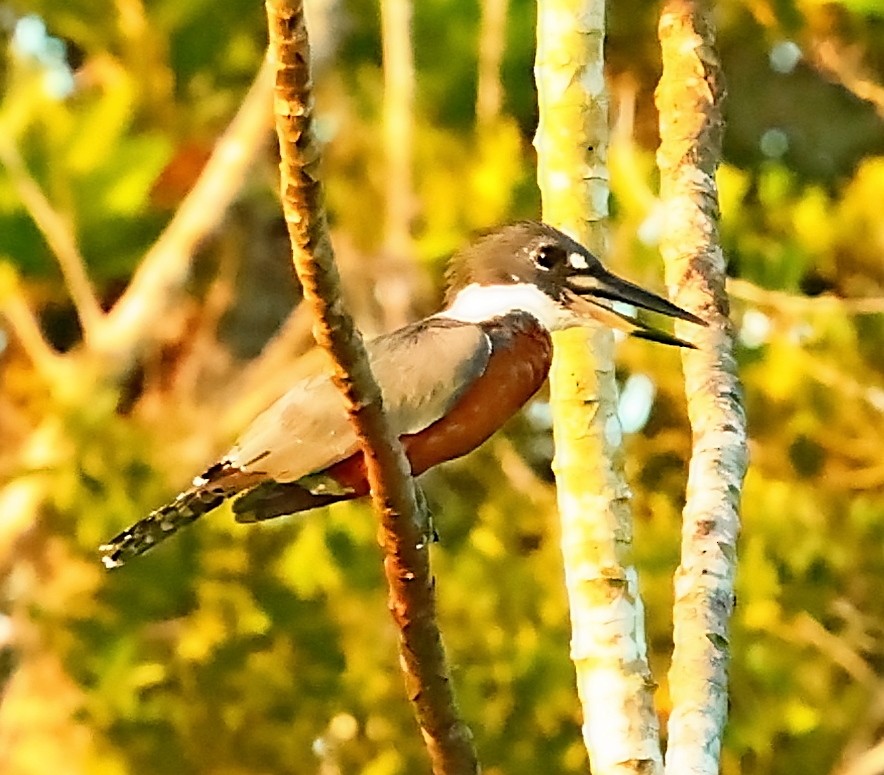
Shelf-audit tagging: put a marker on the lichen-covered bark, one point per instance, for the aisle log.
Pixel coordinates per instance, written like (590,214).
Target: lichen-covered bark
(406,559)
(689,102)
(608,644)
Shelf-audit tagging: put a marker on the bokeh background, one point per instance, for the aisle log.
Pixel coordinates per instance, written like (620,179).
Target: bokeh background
(269,649)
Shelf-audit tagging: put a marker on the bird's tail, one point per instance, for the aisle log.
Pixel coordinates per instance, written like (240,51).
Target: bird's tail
(209,491)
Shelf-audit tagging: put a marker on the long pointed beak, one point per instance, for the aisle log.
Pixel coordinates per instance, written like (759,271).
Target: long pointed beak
(589,289)
(604,285)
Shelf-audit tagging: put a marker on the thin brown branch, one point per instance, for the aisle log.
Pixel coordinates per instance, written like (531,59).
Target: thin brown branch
(691,127)
(24,326)
(396,278)
(264,379)
(202,347)
(398,123)
(870,762)
(790,302)
(59,236)
(406,557)
(23,497)
(841,381)
(837,650)
(492,41)
(865,735)
(166,266)
(843,65)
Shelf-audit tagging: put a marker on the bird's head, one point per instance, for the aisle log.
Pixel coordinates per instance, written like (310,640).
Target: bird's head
(535,268)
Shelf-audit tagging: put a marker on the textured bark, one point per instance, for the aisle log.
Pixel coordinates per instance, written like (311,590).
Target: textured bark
(406,558)
(689,102)
(608,643)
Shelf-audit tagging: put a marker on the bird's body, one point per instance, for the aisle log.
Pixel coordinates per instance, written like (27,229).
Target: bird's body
(448,383)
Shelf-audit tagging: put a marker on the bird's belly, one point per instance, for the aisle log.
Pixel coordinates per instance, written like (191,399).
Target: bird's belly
(516,370)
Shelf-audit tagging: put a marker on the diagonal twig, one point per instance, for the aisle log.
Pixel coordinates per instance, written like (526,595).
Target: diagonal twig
(782,300)
(166,266)
(23,324)
(406,557)
(265,378)
(843,65)
(59,236)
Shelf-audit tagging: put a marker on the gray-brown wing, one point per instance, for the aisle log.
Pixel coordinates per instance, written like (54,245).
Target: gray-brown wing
(422,369)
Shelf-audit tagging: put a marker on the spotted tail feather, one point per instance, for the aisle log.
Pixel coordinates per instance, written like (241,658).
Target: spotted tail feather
(208,492)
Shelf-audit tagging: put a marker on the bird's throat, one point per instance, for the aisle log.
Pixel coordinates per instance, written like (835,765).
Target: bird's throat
(477,303)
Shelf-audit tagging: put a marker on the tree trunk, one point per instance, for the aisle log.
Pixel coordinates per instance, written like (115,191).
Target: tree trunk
(608,647)
(689,102)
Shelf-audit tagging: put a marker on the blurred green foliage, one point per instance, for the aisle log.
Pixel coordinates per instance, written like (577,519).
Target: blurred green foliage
(268,649)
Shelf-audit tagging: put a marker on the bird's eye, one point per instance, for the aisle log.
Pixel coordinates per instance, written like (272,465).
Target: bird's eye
(547,256)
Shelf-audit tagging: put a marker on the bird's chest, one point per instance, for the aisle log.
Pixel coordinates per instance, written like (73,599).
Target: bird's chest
(521,353)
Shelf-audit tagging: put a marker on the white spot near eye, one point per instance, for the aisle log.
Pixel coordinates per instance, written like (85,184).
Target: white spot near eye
(578,261)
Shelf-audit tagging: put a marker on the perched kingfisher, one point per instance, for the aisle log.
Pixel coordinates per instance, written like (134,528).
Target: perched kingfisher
(448,381)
